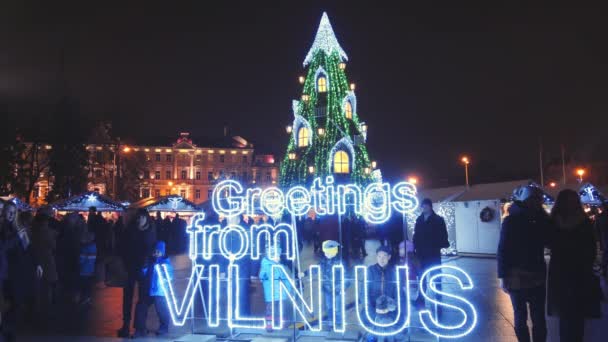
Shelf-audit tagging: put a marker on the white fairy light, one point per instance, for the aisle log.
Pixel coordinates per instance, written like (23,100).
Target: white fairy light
(325,40)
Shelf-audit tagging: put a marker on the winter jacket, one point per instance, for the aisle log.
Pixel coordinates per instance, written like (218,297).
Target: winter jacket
(150,275)
(266,278)
(380,281)
(88,256)
(326,273)
(430,236)
(572,286)
(520,255)
(136,246)
(6,245)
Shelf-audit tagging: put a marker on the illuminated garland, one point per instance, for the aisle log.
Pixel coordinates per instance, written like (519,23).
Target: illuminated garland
(324,59)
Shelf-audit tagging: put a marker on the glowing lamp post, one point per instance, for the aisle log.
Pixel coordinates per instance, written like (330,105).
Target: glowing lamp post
(552,184)
(412,180)
(580,173)
(301,79)
(465,160)
(288,129)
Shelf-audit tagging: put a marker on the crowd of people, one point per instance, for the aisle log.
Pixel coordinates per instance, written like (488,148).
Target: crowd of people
(43,259)
(570,289)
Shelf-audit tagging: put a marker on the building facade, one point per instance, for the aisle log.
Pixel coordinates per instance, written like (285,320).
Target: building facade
(182,167)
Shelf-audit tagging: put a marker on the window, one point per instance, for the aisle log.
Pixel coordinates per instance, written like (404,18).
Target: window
(341,162)
(98,173)
(167,174)
(222,158)
(99,156)
(147,176)
(348,110)
(198,157)
(156,174)
(198,175)
(209,193)
(244,176)
(268,176)
(145,193)
(322,84)
(303,137)
(157,157)
(168,157)
(182,193)
(197,194)
(210,175)
(184,174)
(244,159)
(156,192)
(147,157)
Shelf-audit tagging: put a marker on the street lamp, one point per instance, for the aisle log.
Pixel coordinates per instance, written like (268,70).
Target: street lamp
(552,184)
(412,180)
(580,172)
(127,149)
(465,160)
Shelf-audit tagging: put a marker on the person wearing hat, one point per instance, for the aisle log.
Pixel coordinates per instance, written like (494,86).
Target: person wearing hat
(521,261)
(330,258)
(278,297)
(430,236)
(152,292)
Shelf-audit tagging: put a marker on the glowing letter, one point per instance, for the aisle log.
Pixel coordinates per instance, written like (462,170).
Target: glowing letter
(234,318)
(366,320)
(377,203)
(234,205)
(272,201)
(287,288)
(343,195)
(179,313)
(243,244)
(430,323)
(404,197)
(298,201)
(317,194)
(272,235)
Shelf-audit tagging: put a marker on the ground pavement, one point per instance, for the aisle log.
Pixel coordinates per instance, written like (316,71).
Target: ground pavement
(99,321)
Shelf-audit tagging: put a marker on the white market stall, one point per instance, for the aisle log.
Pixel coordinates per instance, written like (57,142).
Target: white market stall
(172,204)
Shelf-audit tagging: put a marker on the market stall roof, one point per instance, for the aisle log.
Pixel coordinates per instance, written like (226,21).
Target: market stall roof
(492,191)
(166,203)
(590,194)
(21,206)
(441,194)
(86,200)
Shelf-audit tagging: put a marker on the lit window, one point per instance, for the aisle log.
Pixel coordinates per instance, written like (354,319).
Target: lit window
(341,162)
(303,137)
(182,193)
(197,194)
(348,110)
(322,84)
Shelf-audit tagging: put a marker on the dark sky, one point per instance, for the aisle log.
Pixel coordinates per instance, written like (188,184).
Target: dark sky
(434,80)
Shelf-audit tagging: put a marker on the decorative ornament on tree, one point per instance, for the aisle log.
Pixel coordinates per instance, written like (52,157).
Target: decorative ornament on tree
(326,134)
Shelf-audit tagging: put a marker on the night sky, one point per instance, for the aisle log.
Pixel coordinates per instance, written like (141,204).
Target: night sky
(434,80)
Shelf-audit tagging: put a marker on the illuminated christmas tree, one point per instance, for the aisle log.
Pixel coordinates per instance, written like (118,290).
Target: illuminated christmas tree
(327,136)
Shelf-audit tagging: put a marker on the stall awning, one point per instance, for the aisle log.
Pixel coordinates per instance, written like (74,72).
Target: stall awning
(166,203)
(86,200)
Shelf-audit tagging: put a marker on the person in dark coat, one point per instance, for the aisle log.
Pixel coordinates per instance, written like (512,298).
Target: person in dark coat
(521,262)
(68,252)
(601,224)
(44,245)
(381,278)
(430,236)
(20,269)
(573,292)
(137,245)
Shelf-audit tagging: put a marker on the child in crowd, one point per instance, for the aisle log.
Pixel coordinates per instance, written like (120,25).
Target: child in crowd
(328,260)
(273,258)
(151,292)
(88,257)
(385,308)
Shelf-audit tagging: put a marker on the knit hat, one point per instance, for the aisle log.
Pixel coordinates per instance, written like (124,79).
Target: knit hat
(329,244)
(160,246)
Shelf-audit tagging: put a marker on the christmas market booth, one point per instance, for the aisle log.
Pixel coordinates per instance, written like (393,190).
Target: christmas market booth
(168,205)
(21,206)
(108,208)
(474,215)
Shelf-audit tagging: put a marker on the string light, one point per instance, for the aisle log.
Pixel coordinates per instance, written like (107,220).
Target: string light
(325,41)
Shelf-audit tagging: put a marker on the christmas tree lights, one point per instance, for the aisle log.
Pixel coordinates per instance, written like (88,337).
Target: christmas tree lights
(323,112)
